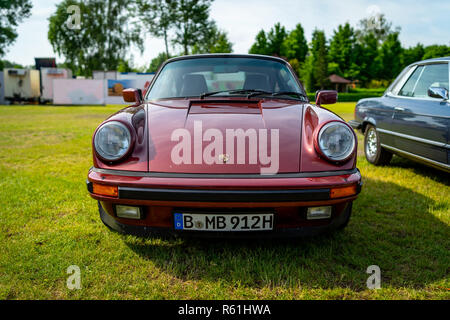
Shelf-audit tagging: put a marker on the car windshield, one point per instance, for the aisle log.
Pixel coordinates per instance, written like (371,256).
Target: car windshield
(224,76)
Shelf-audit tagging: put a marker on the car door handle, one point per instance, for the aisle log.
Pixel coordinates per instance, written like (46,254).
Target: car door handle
(399,109)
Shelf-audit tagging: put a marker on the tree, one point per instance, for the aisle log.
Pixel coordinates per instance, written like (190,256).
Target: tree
(378,26)
(315,70)
(436,51)
(296,66)
(157,62)
(307,73)
(373,33)
(413,54)
(12,12)
(128,65)
(275,38)
(320,52)
(220,43)
(295,45)
(103,39)
(215,41)
(261,45)
(390,57)
(270,44)
(192,24)
(342,51)
(366,53)
(9,64)
(159,17)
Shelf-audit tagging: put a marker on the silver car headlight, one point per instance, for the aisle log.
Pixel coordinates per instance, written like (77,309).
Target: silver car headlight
(112,141)
(336,141)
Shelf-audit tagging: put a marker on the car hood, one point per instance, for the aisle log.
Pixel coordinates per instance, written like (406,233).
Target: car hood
(185,136)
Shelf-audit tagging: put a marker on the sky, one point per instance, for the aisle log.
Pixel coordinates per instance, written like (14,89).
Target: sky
(426,22)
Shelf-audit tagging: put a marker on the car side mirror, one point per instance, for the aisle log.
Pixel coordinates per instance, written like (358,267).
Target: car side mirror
(132,95)
(438,92)
(326,97)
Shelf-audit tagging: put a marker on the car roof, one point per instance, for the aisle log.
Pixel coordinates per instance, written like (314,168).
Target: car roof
(447,59)
(226,55)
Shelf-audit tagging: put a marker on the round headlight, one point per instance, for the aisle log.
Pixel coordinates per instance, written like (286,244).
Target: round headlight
(112,141)
(336,141)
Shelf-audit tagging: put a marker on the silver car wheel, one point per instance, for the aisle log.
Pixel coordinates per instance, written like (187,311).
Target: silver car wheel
(371,143)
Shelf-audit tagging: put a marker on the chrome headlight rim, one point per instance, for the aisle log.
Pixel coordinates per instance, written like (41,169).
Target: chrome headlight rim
(128,129)
(322,129)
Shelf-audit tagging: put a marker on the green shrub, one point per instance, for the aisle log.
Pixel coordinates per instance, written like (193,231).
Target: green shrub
(352,96)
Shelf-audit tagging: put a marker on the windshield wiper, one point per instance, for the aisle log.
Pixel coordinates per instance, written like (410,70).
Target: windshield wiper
(207,94)
(281,93)
(236,91)
(254,92)
(257,92)
(289,93)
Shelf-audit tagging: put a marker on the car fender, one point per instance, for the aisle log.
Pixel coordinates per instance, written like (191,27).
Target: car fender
(368,120)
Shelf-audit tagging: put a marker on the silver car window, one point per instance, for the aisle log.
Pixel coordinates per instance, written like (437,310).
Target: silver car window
(401,79)
(424,77)
(408,88)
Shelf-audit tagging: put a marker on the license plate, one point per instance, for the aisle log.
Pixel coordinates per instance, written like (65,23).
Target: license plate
(223,222)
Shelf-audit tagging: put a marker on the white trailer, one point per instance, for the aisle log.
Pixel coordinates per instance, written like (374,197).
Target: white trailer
(48,75)
(101,75)
(22,84)
(2,89)
(78,91)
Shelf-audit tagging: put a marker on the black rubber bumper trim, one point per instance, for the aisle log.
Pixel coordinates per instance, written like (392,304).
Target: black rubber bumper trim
(89,186)
(223,195)
(359,187)
(355,124)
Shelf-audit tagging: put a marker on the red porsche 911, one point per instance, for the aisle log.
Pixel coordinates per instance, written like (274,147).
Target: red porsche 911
(224,145)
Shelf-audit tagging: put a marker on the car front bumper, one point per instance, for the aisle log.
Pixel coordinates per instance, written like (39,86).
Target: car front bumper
(287,195)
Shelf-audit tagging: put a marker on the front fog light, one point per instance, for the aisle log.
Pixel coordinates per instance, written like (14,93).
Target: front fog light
(128,212)
(318,213)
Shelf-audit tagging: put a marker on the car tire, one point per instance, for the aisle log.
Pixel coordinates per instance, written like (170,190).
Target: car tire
(375,154)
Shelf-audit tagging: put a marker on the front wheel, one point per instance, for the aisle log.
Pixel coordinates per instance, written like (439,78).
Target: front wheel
(375,154)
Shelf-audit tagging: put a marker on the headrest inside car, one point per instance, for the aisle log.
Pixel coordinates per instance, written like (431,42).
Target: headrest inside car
(257,82)
(193,85)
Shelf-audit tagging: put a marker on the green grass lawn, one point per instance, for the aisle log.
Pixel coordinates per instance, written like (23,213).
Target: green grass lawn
(48,222)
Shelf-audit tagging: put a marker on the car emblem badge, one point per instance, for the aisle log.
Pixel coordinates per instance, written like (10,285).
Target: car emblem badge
(199,224)
(224,158)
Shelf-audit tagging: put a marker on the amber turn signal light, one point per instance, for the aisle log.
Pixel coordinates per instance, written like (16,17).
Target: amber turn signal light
(343,192)
(111,191)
